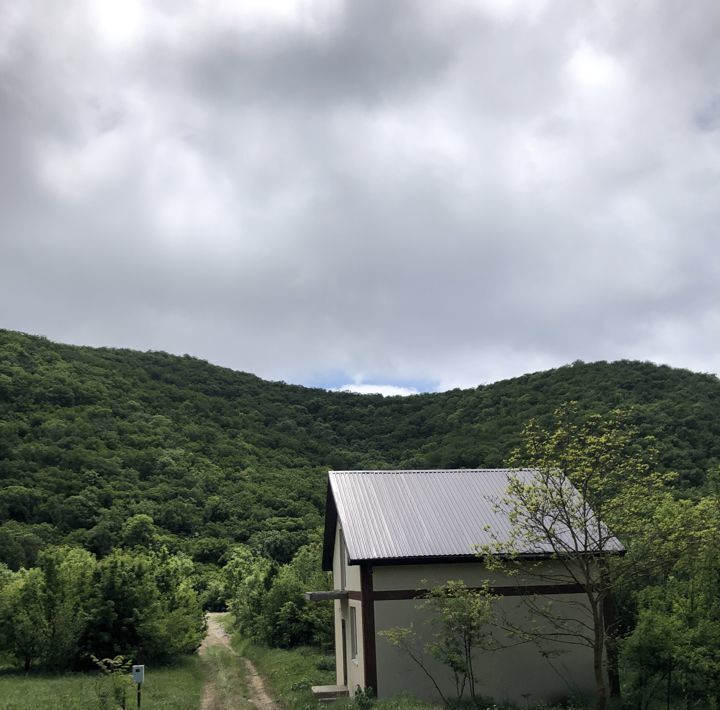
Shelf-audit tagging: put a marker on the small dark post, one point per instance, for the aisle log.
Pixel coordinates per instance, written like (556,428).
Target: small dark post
(139,694)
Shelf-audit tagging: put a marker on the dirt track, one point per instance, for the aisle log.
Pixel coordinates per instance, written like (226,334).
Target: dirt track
(216,636)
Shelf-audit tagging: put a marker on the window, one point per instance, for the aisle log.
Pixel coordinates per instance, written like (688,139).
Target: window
(353,632)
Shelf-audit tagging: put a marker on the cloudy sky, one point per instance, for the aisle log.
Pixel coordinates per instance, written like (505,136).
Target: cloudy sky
(416,194)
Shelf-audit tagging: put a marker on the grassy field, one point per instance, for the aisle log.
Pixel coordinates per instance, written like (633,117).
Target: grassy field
(177,687)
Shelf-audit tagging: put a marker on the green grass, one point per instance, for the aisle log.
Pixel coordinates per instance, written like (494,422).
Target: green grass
(289,673)
(227,676)
(176,687)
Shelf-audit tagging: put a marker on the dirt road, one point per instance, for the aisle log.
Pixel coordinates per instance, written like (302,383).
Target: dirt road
(217,637)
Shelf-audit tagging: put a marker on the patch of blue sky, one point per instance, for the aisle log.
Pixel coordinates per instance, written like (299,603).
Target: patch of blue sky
(369,384)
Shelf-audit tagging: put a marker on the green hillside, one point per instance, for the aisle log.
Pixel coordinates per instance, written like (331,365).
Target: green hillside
(90,437)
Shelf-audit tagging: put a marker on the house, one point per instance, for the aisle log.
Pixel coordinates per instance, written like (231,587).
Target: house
(390,536)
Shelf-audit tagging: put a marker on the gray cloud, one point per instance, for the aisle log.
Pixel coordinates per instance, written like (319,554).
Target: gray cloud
(402,192)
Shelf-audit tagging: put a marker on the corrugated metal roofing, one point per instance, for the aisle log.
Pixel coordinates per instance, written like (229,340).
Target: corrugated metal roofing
(433,513)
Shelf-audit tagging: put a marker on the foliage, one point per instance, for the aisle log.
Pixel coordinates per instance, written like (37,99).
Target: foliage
(113,683)
(672,653)
(289,673)
(115,451)
(71,606)
(269,604)
(590,479)
(462,619)
(247,579)
(176,687)
(363,698)
(104,448)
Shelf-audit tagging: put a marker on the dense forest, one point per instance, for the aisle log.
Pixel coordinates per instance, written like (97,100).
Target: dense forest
(103,448)
(137,489)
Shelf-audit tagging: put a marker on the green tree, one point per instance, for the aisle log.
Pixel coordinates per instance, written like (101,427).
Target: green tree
(67,575)
(590,479)
(462,620)
(144,607)
(289,619)
(24,629)
(673,652)
(247,579)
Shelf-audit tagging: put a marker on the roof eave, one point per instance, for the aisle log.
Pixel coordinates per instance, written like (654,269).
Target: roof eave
(449,559)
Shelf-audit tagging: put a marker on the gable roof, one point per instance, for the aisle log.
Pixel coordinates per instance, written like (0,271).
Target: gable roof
(416,515)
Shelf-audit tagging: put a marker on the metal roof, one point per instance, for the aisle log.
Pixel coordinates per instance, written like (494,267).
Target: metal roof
(390,515)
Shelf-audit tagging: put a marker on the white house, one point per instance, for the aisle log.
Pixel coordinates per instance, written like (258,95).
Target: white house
(392,535)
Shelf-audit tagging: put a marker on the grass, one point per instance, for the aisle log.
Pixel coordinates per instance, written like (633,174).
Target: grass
(176,687)
(289,673)
(226,675)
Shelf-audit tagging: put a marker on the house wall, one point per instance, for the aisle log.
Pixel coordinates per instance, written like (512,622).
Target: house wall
(474,574)
(355,667)
(519,674)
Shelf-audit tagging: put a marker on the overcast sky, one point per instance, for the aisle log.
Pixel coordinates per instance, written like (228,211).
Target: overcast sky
(409,193)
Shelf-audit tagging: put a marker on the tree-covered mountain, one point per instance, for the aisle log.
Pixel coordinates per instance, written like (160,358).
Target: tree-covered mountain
(105,447)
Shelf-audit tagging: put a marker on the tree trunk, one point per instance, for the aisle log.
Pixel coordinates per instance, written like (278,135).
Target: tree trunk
(611,643)
(601,694)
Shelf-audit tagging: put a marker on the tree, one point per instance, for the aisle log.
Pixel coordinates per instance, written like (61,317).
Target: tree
(673,651)
(590,479)
(289,619)
(247,579)
(23,626)
(67,575)
(143,607)
(462,620)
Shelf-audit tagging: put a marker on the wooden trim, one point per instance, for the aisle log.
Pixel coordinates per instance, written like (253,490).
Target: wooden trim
(357,596)
(367,605)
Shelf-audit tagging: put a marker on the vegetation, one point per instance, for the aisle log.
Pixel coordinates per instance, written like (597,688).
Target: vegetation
(104,448)
(136,488)
(167,687)
(463,621)
(269,603)
(72,607)
(591,480)
(290,672)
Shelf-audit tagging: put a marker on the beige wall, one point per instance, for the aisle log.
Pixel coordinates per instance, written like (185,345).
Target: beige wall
(519,674)
(352,572)
(474,574)
(356,667)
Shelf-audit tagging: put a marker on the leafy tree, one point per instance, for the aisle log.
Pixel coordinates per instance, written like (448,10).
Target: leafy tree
(591,479)
(139,531)
(673,651)
(144,607)
(289,619)
(114,684)
(23,627)
(463,621)
(67,575)
(248,577)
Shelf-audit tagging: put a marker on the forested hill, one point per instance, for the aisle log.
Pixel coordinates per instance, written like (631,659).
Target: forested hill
(93,441)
